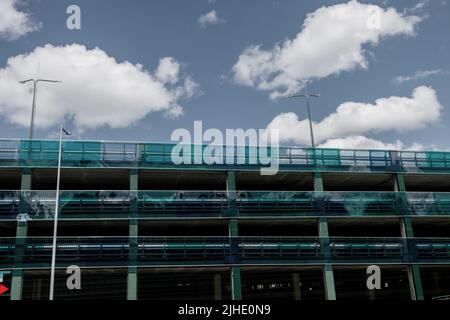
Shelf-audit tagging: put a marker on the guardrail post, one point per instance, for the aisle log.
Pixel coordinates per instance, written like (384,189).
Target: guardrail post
(21,235)
(139,153)
(236,291)
(132,280)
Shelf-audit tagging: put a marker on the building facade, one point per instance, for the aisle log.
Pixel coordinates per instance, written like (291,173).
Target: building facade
(140,227)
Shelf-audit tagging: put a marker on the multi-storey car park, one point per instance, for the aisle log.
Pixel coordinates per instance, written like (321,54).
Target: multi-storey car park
(141,227)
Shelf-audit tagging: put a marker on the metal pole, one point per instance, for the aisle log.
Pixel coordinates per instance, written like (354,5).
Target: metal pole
(55,230)
(310,120)
(33,111)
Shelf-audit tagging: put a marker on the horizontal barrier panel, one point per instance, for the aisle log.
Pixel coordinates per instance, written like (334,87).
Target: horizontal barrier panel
(85,205)
(208,249)
(112,154)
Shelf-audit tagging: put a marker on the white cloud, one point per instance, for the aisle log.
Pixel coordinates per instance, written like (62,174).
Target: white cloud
(191,88)
(210,18)
(352,118)
(168,70)
(96,90)
(14,23)
(332,40)
(418,75)
(365,143)
(418,7)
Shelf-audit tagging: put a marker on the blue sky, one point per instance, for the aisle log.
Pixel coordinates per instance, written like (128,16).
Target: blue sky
(143,32)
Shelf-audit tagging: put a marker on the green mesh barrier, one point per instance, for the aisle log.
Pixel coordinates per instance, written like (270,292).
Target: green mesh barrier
(326,157)
(38,150)
(436,159)
(81,151)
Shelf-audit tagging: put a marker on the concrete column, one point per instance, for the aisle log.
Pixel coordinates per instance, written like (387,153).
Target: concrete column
(415,282)
(21,235)
(318,182)
(132,279)
(17,273)
(399,182)
(406,228)
(25,181)
(217,286)
(296,286)
(132,283)
(236,291)
(330,290)
(231,181)
(414,277)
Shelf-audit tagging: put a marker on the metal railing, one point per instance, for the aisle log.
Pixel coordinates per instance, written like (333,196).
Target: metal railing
(85,205)
(221,248)
(95,153)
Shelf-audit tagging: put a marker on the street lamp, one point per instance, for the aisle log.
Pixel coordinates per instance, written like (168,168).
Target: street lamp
(307,96)
(33,110)
(55,228)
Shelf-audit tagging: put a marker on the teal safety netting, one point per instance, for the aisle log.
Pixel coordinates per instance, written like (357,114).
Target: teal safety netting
(71,150)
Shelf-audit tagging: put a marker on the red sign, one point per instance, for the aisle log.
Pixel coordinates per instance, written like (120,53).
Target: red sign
(3,289)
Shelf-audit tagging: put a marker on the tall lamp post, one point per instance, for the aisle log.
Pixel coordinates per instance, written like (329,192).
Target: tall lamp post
(55,228)
(308,96)
(33,110)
